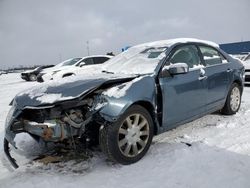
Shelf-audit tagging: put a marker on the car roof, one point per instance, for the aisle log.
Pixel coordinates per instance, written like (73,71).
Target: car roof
(170,42)
(108,56)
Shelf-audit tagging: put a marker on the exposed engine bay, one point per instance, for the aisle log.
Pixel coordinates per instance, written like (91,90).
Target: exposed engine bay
(58,123)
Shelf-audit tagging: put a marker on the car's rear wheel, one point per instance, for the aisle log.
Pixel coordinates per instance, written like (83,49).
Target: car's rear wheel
(233,100)
(128,139)
(32,77)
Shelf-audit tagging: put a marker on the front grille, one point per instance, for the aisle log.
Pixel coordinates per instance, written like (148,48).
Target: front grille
(247,70)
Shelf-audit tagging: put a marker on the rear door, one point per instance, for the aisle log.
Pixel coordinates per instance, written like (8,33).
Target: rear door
(218,74)
(183,95)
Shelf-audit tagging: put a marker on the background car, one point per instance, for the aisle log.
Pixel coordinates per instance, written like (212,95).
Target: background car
(71,67)
(142,92)
(3,72)
(87,65)
(31,75)
(246,62)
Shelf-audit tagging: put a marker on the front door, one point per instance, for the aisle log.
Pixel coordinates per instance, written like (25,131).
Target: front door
(183,95)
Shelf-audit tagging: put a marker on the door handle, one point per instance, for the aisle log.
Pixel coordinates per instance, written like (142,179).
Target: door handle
(229,70)
(202,78)
(202,74)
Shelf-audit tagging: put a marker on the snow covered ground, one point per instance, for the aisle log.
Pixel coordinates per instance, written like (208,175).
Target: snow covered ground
(219,155)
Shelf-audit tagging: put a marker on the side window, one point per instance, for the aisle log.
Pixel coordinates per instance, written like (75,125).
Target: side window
(186,54)
(211,56)
(88,61)
(100,60)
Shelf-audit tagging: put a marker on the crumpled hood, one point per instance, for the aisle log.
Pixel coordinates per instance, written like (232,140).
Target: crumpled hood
(49,93)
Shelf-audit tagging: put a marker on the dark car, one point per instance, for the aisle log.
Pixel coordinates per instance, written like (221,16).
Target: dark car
(154,88)
(3,72)
(31,75)
(246,63)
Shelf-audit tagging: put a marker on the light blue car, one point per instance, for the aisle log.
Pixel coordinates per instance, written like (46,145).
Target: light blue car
(142,92)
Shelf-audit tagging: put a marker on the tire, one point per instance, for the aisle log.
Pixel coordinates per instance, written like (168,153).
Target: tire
(32,77)
(233,100)
(125,142)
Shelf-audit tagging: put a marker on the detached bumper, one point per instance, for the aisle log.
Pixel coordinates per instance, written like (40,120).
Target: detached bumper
(7,153)
(9,134)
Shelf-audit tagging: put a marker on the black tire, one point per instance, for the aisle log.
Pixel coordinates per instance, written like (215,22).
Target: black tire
(32,77)
(109,136)
(228,108)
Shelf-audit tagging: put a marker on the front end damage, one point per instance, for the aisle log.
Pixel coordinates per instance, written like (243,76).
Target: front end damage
(71,121)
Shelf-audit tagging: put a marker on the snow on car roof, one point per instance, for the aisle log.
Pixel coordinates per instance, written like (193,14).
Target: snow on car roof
(170,42)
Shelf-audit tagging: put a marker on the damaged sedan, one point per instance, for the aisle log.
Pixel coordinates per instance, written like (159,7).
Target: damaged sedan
(142,92)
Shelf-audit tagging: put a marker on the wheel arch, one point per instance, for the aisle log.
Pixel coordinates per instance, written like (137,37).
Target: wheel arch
(67,74)
(237,81)
(150,108)
(111,115)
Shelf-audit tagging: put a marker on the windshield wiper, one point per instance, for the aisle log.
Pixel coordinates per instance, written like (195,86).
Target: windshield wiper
(108,72)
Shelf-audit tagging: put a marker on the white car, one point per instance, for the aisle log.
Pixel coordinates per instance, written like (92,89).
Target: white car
(71,67)
(246,62)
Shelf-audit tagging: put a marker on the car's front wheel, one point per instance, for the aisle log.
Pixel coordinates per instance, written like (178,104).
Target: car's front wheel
(128,139)
(233,100)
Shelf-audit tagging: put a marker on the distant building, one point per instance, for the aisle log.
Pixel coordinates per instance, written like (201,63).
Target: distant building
(236,48)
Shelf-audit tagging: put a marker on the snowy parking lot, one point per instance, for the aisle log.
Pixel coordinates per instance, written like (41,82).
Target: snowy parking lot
(213,151)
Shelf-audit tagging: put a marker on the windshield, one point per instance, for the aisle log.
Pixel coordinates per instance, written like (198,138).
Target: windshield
(70,61)
(135,61)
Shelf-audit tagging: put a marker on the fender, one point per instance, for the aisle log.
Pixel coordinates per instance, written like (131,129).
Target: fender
(121,97)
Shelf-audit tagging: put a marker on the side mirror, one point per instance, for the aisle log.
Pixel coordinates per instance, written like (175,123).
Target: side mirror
(178,68)
(82,64)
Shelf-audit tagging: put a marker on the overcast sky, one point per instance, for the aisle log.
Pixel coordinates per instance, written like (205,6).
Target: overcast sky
(47,31)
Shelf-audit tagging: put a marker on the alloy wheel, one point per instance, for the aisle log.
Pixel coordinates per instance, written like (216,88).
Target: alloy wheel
(133,135)
(235,98)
